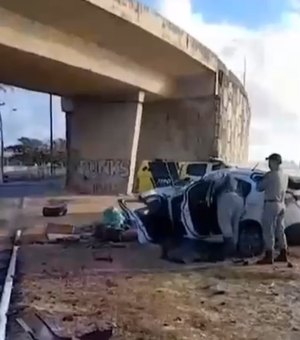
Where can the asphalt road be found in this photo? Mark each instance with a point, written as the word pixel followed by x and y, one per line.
pixel 31 188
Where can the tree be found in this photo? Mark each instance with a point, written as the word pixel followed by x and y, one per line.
pixel 31 143
pixel 32 151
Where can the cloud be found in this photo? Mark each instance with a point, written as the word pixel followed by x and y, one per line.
pixel 272 57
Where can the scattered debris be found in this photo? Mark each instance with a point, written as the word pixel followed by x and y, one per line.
pixel 103 258
pixel 26 328
pixel 105 334
pixel 38 329
pixel 110 283
pixel 129 235
pixel 55 209
pixel 218 289
pixel 115 219
pixel 118 245
pixel 68 318
pixel 105 234
pixel 56 232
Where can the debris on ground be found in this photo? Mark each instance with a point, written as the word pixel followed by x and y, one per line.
pixel 103 258
pixel 55 209
pixel 223 303
pixel 114 219
pixel 56 231
pixel 37 328
pixel 189 251
pixel 104 286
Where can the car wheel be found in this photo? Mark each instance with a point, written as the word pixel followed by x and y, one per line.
pixel 292 233
pixel 250 239
pixel 55 211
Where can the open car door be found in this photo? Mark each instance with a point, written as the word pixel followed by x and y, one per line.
pixel 163 173
pixel 199 214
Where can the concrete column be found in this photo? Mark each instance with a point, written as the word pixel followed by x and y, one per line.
pixel 135 141
pixel 180 130
pixel 103 141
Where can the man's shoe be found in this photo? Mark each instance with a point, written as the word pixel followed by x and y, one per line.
pixel 282 257
pixel 267 259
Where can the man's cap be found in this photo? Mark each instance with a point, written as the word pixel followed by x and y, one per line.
pixel 275 157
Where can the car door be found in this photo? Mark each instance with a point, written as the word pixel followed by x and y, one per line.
pixel 163 173
pixel 254 200
pixel 292 201
pixel 197 213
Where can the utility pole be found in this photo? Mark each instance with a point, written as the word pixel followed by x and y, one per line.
pixel 3 88
pixel 51 133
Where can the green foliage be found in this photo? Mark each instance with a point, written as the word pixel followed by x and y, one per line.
pixel 30 151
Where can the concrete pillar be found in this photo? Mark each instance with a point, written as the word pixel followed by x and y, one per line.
pixel 103 140
pixel 180 130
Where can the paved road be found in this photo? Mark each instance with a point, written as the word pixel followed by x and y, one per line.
pixel 31 188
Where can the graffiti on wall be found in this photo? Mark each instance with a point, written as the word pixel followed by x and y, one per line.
pixel 103 176
pixel 104 167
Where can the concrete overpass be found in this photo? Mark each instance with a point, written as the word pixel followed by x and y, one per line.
pixel 135 86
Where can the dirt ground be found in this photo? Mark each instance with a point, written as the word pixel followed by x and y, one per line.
pixel 143 297
pixel 76 287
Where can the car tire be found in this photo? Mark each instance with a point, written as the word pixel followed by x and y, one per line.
pixel 250 239
pixel 55 211
pixel 292 233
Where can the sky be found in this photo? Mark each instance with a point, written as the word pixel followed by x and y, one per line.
pixel 265 32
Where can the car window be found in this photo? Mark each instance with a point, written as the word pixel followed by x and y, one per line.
pixel 215 176
pixel 243 187
pixel 196 169
pixel 294 183
pixel 163 171
pixel 218 166
pixel 256 177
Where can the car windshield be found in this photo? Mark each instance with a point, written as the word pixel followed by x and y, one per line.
pixel 196 169
pixel 164 171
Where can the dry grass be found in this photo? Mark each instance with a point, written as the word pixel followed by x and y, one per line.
pixel 234 303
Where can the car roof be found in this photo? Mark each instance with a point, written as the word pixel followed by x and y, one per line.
pixel 247 172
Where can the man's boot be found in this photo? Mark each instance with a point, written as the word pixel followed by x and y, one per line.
pixel 267 259
pixel 282 257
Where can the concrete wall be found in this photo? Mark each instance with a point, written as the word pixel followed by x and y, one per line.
pixel 101 137
pixel 214 124
pixel 232 120
pixel 107 141
pixel 177 130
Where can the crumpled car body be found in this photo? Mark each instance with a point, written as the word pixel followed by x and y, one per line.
pixel 189 211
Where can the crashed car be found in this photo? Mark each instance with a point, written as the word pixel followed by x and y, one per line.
pixel 189 211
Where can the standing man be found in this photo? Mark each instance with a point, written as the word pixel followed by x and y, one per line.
pixel 230 207
pixel 274 184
